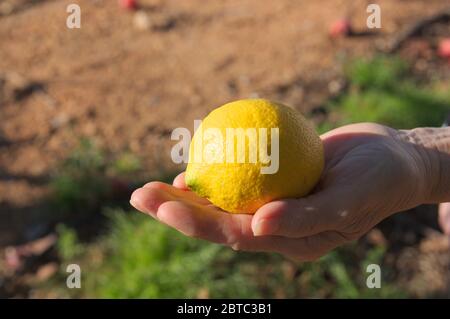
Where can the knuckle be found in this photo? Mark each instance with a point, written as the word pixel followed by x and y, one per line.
pixel 148 200
pixel 195 231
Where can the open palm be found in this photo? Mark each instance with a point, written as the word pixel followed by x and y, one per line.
pixel 369 174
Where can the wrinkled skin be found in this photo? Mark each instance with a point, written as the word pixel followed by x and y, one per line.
pixel 370 173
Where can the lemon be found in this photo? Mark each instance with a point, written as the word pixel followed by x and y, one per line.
pixel 250 152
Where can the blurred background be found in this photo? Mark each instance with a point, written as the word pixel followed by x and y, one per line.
pixel 86 117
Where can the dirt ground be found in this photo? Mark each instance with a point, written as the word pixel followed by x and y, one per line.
pixel 127 87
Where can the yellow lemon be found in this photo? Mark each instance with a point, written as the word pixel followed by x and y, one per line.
pixel 250 152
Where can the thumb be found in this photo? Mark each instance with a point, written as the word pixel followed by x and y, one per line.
pixel 300 217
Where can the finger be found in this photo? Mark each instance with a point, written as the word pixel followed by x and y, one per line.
pixel 179 181
pixel 209 223
pixel 298 217
pixel 235 230
pixel 177 192
pixel 205 222
pixel 148 200
pixel 444 217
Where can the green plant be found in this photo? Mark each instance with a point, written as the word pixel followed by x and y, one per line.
pixel 342 274
pixel 379 72
pixel 145 259
pixel 89 178
pixel 80 180
pixel 382 90
pixel 126 163
pixel 68 245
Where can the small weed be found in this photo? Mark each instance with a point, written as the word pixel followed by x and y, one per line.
pixel 89 178
pixel 68 245
pixel 126 163
pixel 79 183
pixel 382 91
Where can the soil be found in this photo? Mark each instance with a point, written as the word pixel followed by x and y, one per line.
pixel 127 82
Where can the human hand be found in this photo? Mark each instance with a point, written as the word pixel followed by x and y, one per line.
pixel 444 217
pixel 370 173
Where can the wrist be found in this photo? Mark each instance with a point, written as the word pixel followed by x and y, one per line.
pixel 429 149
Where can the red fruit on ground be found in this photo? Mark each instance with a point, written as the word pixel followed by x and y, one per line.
pixel 128 4
pixel 444 48
pixel 340 28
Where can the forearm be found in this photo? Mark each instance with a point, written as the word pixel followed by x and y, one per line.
pixel 432 151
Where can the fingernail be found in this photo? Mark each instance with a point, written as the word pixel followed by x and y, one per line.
pixel 135 203
pixel 265 227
